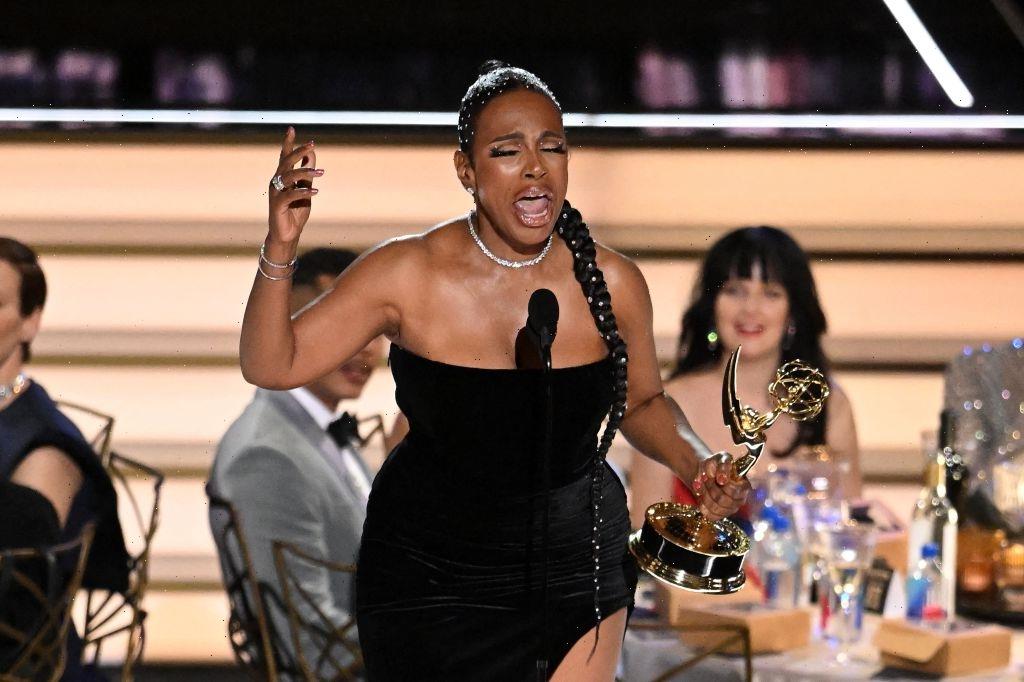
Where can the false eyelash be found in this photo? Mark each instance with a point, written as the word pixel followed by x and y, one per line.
pixel 495 153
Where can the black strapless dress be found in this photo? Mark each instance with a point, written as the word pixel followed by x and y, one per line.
pixel 449 572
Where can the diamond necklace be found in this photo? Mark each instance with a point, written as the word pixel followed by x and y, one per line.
pixel 501 261
pixel 7 390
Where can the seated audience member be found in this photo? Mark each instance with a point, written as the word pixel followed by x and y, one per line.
pixel 756 290
pixel 29 522
pixel 292 469
pixel 40 448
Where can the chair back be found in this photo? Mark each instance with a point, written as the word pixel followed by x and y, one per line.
pixel 97 427
pixel 256 644
pixel 106 616
pixel 36 594
pixel 720 638
pixel 325 650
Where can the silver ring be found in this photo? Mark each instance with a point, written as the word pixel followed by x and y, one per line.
pixel 278 183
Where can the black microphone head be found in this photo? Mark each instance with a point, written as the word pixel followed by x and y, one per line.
pixel 543 312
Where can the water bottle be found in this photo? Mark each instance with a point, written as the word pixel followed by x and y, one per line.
pixel 798 510
pixel 780 564
pixel 925 597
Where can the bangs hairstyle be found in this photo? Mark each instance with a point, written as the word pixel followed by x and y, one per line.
pixel 734 256
pixel 32 288
pixel 496 78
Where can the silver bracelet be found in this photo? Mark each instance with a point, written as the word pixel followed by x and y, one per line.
pixel 280 266
pixel 259 267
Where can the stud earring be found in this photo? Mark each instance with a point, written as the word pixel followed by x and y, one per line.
pixel 471 192
pixel 712 340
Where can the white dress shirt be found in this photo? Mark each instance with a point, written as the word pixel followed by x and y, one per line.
pixel 353 468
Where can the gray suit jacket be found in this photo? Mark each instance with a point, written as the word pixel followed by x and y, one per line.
pixel 288 480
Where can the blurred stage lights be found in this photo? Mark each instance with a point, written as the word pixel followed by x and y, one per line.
pixel 925 45
pixel 879 123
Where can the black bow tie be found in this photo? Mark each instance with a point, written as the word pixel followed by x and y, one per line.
pixel 344 430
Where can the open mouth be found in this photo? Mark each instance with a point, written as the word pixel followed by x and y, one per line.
pixel 359 374
pixel 534 208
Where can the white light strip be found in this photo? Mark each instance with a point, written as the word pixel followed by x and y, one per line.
pixel 872 122
pixel 869 122
pixel 925 45
pixel 225 116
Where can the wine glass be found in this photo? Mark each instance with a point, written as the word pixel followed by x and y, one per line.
pixel 846 549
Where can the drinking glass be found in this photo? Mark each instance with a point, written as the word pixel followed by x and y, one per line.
pixel 846 550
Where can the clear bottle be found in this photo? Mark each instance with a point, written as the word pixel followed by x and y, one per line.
pixel 925 598
pixel 934 519
pixel 780 564
pixel 798 510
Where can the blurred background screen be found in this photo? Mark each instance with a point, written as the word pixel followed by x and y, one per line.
pixel 704 61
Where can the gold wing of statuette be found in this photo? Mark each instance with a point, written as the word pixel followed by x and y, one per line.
pixel 742 421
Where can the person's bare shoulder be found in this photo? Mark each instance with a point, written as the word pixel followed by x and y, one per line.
pixel 838 400
pixel 407 258
pixel 683 386
pixel 622 274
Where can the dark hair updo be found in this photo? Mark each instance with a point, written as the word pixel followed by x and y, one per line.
pixel 496 78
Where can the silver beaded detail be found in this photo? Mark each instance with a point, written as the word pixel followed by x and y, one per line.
pixel 577 238
pixel 515 264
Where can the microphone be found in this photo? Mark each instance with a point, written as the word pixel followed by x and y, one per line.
pixel 542 319
pixel 541 327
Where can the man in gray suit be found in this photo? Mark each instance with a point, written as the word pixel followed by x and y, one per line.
pixel 293 472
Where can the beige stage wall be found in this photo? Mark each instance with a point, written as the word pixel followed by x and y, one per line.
pixel 150 249
pixel 212 195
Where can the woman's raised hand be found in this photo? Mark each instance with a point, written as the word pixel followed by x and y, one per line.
pixel 291 189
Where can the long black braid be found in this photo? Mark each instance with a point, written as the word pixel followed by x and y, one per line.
pixel 574 231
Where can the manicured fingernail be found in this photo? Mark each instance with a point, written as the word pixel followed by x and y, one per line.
pixel 697 483
pixel 318 172
pixel 721 479
pixel 314 191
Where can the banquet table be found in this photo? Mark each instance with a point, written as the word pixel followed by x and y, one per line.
pixel 648 654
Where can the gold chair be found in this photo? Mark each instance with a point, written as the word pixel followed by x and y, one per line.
pixel 377 426
pixel 97 427
pixel 338 656
pixel 111 614
pixel 37 579
pixel 731 636
pixel 254 641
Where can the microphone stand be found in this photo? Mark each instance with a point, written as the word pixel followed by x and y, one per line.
pixel 545 453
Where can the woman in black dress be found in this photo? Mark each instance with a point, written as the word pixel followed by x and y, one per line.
pixel 451 571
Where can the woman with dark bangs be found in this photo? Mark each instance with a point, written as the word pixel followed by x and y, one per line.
pixel 756 290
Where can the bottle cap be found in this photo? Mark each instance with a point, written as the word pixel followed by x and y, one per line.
pixel 929 550
pixel 780 523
